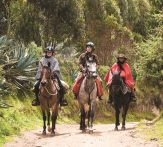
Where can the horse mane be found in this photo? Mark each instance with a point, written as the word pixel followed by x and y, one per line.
pixel 47 67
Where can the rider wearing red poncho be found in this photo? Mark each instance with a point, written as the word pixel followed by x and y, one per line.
pixel 126 74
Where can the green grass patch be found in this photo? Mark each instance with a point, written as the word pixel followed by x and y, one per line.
pixel 152 132
pixel 136 116
pixel 22 116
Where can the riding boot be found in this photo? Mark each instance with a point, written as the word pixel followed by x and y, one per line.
pixel 133 97
pixel 62 101
pixel 110 99
pixel 100 98
pixel 36 102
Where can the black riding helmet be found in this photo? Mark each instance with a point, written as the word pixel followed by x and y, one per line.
pixel 49 48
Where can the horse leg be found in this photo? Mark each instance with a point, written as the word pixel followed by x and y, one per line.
pixel 124 113
pixel 49 129
pixel 81 120
pixel 88 116
pixel 54 118
pixel 44 125
pixel 117 111
pixel 92 111
pixel 83 116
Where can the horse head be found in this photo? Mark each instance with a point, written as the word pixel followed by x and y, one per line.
pixel 117 82
pixel 45 74
pixel 91 69
pixel 116 79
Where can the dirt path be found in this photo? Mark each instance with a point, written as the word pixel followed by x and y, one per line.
pixel 71 136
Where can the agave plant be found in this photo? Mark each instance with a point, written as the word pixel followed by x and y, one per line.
pixel 16 62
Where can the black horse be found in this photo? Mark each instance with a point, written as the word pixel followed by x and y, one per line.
pixel 121 97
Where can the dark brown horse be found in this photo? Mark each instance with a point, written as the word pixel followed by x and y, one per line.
pixel 121 97
pixel 48 96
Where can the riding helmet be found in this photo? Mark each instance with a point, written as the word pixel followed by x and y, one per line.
pixel 50 48
pixel 90 44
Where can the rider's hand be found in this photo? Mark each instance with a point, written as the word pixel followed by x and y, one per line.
pixel 81 66
pixel 83 70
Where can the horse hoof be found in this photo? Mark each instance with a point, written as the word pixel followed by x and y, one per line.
pixel 123 128
pixel 116 129
pixel 52 133
pixel 49 129
pixel 90 131
pixel 44 133
pixel 84 131
pixel 80 128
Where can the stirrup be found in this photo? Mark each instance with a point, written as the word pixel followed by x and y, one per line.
pixel 100 98
pixel 133 100
pixel 63 103
pixel 33 89
pixel 35 102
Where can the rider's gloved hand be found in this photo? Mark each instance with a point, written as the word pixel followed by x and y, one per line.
pixel 84 70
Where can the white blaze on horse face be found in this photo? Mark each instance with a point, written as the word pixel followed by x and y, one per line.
pixel 91 66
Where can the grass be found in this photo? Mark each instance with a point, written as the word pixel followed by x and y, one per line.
pixel 152 132
pixel 22 116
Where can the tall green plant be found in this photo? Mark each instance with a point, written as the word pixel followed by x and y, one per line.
pixel 149 69
pixel 16 62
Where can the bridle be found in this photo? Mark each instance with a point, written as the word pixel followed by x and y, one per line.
pixel 45 87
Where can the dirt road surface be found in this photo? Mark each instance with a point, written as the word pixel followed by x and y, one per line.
pixel 70 136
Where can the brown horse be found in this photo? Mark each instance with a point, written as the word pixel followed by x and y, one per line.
pixel 48 96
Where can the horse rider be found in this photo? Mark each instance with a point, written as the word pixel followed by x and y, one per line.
pixel 54 65
pixel 88 55
pixel 126 75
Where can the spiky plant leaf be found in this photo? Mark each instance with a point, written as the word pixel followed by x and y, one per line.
pixel 17 64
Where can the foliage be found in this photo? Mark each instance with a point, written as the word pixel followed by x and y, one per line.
pixel 149 68
pixel 24 22
pixel 22 116
pixel 108 23
pixel 16 66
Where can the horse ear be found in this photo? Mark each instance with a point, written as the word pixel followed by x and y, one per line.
pixel 49 64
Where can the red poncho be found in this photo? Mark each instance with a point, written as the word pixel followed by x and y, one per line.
pixel 124 73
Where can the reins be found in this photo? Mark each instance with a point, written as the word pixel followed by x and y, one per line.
pixel 50 93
